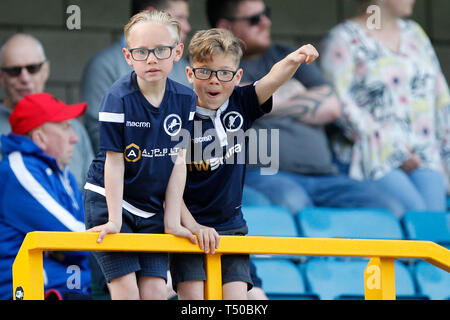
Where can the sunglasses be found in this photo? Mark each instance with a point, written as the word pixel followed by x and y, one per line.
pixel 254 19
pixel 16 71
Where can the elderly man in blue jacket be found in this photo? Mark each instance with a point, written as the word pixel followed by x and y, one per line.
pixel 39 193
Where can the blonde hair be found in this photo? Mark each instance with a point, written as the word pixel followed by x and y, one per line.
pixel 154 16
pixel 207 43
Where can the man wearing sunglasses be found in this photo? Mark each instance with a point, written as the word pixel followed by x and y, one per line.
pixel 24 69
pixel 301 109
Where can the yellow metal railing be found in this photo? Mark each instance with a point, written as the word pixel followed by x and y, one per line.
pixel 379 279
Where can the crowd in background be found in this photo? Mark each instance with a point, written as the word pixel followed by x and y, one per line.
pixel 368 125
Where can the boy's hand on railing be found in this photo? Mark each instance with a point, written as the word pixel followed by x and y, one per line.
pixel 208 238
pixel 104 229
pixel 181 231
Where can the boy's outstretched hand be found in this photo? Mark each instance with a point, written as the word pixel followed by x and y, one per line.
pixel 283 70
pixel 305 54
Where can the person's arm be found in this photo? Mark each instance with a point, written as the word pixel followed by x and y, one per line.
pixel 114 177
pixel 283 70
pixel 208 238
pixel 31 202
pixel 317 105
pixel 174 198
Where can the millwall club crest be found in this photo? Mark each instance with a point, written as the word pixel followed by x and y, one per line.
pixel 172 124
pixel 233 121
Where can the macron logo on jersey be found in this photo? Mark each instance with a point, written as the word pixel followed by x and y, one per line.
pixel 138 124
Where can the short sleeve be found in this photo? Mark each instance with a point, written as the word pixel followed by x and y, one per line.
pixel 188 122
pixel 111 123
pixel 248 100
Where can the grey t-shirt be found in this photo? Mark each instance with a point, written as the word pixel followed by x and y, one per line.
pixel 303 148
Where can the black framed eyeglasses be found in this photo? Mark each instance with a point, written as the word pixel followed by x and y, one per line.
pixel 17 70
pixel 161 53
pixel 254 19
pixel 221 75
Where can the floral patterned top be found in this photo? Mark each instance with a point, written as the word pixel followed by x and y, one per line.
pixel 392 102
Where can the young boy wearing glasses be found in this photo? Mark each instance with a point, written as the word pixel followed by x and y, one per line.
pixel 133 184
pixel 215 181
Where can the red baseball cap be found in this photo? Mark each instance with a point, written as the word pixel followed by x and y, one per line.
pixel 36 109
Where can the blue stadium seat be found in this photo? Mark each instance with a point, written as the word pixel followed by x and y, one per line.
pixel 341 279
pixel 432 226
pixel 349 223
pixel 270 221
pixel 432 281
pixel 252 197
pixel 281 280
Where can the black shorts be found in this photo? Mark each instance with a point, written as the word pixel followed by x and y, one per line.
pixel 117 264
pixel 191 266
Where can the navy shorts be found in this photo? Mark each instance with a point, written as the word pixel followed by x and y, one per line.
pixel 118 264
pixel 190 267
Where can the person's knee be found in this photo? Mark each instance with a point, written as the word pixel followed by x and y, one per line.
pixel 152 288
pixel 191 290
pixel 236 290
pixel 124 288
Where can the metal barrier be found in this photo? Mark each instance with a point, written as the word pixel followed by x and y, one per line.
pixel 379 278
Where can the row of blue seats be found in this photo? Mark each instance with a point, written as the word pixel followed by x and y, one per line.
pixel 425 279
pixel 338 279
pixel 360 223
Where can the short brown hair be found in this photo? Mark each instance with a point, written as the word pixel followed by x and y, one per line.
pixel 207 43
pixel 155 16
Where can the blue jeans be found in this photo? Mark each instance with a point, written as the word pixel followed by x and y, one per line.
pixel 295 191
pixel 420 190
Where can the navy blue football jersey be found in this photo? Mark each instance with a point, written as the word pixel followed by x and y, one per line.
pixel 149 138
pixel 215 175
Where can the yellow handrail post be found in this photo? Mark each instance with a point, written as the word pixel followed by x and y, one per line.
pixel 213 285
pixel 379 279
pixel 29 265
